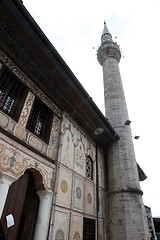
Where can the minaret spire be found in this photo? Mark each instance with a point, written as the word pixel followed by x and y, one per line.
pixel 108 47
pixel 126 214
pixel 105 30
pixel 106 36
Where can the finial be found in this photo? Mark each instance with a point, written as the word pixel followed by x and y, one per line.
pixel 105 30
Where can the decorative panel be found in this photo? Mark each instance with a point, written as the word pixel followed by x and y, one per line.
pixel 89 147
pixel 67 154
pixel 101 169
pixel 89 198
pixel 61 225
pixel 76 227
pixel 4 120
pixel 79 161
pixel 75 146
pixel 78 193
pixel 35 142
pixel 15 159
pixel 64 187
pixel 26 109
pixel 54 136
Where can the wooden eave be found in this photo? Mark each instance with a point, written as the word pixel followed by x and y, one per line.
pixel 26 44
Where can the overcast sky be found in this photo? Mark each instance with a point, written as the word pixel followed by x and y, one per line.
pixel 75 27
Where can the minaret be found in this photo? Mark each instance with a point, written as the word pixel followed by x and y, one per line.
pixel 126 214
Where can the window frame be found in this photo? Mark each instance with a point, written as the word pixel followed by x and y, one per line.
pixel 11 103
pixel 89 172
pixel 89 228
pixel 40 125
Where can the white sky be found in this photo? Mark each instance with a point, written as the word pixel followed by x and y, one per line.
pixel 75 27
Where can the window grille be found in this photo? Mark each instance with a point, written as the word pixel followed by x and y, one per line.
pixel 40 120
pixel 12 94
pixel 88 229
pixel 89 168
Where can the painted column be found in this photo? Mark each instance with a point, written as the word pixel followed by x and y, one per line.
pixel 44 212
pixel 126 219
pixel 5 182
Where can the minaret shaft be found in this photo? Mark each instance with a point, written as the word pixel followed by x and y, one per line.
pixel 123 172
pixel 115 104
pixel 126 215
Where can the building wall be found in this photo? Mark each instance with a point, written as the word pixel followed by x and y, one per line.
pixel 17 154
pixel 74 194
pixel 21 150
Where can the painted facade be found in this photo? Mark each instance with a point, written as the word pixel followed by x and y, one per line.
pixel 74 193
pixel 70 146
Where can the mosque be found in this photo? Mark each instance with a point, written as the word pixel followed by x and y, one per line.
pixel 66 170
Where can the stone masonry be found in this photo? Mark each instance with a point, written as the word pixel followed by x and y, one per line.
pixel 126 217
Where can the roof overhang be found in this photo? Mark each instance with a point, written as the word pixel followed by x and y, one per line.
pixel 25 43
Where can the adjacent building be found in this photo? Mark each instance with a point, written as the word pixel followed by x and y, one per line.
pixel 153 225
pixel 66 170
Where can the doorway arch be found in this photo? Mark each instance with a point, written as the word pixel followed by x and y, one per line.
pixel 22 202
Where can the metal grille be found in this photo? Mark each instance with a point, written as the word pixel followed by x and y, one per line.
pixel 39 119
pixel 88 229
pixel 89 167
pixel 9 91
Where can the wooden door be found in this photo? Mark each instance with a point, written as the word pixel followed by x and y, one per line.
pixel 29 213
pixel 22 203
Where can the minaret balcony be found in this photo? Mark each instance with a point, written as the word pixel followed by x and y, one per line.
pixel 108 49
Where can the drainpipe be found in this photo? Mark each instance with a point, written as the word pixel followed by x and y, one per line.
pixel 97 195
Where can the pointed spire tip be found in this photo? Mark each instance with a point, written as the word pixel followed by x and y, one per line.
pixel 105 30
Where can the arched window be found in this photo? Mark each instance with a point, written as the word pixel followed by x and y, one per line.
pixel 89 168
